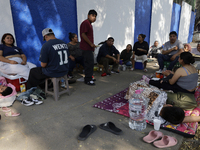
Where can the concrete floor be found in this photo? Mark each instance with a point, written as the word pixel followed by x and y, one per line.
pixel 56 125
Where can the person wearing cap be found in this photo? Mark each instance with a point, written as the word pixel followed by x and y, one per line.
pixel 171 51
pixel 109 55
pixel 87 45
pixel 54 60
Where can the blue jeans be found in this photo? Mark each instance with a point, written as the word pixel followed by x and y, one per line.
pixel 162 58
pixel 72 64
pixel 129 63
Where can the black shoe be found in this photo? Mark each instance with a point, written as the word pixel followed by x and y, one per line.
pixel 108 74
pixel 115 72
pixel 90 83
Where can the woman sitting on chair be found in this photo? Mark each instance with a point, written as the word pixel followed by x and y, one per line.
pixel 12 58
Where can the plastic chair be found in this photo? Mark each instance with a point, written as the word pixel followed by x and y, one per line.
pixel 56 87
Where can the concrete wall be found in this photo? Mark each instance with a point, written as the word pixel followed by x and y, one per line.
pixel 161 20
pixel 6 20
pixel 185 22
pixel 123 20
pixel 31 17
pixel 115 18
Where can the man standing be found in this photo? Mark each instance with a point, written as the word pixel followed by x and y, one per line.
pixel 87 45
pixel 171 51
pixel 53 57
pixel 109 55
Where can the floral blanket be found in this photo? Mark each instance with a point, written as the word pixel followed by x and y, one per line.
pixel 119 105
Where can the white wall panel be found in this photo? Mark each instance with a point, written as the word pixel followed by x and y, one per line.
pixel 184 25
pixel 6 21
pixel 160 21
pixel 115 18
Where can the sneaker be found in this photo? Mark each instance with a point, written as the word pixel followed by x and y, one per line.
pixel 36 101
pixel 90 83
pixel 108 74
pixel 112 71
pixel 27 102
pixel 103 74
pixel 131 69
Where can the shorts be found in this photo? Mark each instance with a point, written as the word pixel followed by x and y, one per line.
pixel 142 57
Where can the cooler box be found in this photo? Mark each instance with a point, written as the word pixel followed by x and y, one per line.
pixel 15 80
pixel 139 64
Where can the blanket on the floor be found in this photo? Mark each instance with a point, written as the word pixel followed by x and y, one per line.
pixel 119 105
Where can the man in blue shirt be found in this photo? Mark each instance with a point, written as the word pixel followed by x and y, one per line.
pixel 53 57
pixel 109 55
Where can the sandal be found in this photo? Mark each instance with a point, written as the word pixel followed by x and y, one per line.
pixel 12 114
pixel 5 109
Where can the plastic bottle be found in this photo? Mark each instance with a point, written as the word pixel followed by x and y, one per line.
pixel 165 68
pixel 137 107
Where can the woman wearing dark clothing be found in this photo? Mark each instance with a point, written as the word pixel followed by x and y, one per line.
pixel 126 55
pixel 140 51
pixel 75 52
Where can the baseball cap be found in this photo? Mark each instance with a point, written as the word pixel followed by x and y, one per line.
pixel 46 31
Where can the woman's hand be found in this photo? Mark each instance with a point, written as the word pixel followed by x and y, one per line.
pixel 166 72
pixel 23 62
pixel 13 62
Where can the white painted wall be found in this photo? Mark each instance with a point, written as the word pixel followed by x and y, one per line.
pixel 160 21
pixel 184 25
pixel 6 21
pixel 115 18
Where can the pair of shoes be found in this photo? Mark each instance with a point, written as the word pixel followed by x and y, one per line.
pixel 166 141
pixel 131 69
pixel 40 94
pixel 112 71
pixel 30 101
pixel 145 70
pixel 5 109
pixel 90 83
pixel 12 114
pixel 89 129
pixel 34 99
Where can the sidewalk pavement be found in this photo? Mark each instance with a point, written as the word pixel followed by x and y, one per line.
pixel 56 125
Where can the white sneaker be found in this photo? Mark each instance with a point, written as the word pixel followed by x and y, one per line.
pixel 131 69
pixel 36 101
pixel 27 102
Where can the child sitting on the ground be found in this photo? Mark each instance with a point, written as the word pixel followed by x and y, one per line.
pixel 7 97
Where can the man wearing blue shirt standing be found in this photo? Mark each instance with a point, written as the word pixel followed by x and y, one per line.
pixel 53 57
pixel 109 55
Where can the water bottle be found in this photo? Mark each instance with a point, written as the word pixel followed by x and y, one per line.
pixel 137 107
pixel 165 68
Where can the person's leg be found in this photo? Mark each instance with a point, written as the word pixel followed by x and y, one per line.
pixel 89 65
pixel 129 63
pixel 80 60
pixel 36 77
pixel 161 58
pixel 115 65
pixel 72 65
pixel 105 62
pixel 133 62
pixel 144 60
pixel 173 63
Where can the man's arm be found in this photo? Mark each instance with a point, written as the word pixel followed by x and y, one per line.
pixel 165 52
pixel 177 54
pixel 84 36
pixel 43 65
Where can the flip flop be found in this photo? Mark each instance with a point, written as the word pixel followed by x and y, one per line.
pixel 110 127
pixel 12 114
pixel 86 131
pixel 152 136
pixel 5 109
pixel 166 141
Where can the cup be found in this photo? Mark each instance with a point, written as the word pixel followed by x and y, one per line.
pixel 156 123
pixel 157 74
